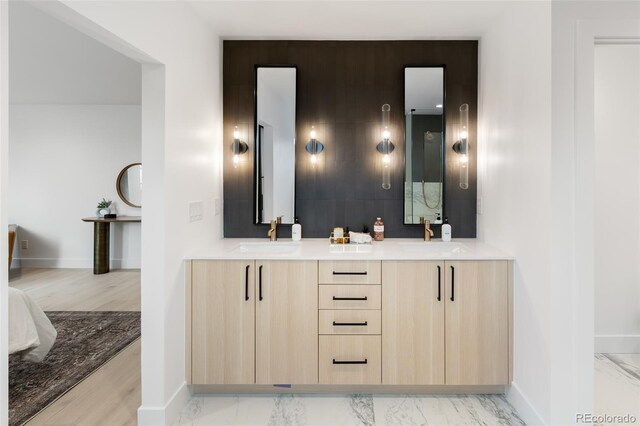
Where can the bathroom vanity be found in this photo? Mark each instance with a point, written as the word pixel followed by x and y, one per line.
pixel 397 316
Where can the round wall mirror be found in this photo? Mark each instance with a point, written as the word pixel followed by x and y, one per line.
pixel 129 185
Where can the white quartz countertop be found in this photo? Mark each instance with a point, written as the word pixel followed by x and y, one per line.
pixel 320 249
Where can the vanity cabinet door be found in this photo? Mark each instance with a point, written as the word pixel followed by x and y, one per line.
pixel 413 323
pixel 287 322
pixel 222 322
pixel 477 321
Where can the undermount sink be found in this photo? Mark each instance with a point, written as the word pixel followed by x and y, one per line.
pixel 266 247
pixel 434 247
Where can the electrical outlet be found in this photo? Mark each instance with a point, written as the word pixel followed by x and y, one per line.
pixel 217 206
pixel 479 205
pixel 24 244
pixel 195 211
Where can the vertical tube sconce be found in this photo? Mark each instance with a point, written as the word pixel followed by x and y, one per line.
pixel 313 147
pixel 238 147
pixel 386 147
pixel 461 146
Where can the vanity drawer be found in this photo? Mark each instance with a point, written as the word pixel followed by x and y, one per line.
pixel 350 360
pixel 350 272
pixel 350 321
pixel 350 297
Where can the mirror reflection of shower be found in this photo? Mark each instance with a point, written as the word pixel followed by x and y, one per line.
pixel 433 138
pixel 424 142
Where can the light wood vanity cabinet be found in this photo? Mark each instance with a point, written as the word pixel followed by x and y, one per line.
pixel 477 322
pixel 222 322
pixel 349 322
pixel 286 322
pixel 413 323
pixel 253 322
pixel 445 322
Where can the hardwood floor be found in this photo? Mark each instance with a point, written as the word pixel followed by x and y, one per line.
pixel 111 395
pixel 80 290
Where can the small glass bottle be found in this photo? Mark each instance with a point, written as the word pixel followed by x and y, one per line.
pixel 378 230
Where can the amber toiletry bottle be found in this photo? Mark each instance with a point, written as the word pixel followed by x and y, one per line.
pixel 378 230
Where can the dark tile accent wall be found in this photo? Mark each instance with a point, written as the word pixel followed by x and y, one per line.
pixel 342 86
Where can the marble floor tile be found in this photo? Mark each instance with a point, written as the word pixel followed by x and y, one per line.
pixel 357 410
pixel 617 384
pixel 490 410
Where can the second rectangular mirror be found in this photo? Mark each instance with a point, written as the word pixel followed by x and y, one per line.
pixel 424 102
pixel 275 136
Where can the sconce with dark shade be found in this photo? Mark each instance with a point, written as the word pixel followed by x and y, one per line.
pixel 314 147
pixel 386 147
pixel 238 147
pixel 461 146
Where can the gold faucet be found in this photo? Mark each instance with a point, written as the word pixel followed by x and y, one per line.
pixel 428 233
pixel 273 231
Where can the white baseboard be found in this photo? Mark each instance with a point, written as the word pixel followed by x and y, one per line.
pixel 523 406
pixel 76 263
pixel 617 344
pixel 157 416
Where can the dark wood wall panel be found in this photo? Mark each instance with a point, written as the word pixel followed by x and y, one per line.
pixel 342 86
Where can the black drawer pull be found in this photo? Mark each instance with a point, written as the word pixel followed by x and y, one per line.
pixel 349 273
pixel 439 284
pixel 453 283
pixel 362 324
pixel 349 298
pixel 260 283
pixel 246 283
pixel 350 362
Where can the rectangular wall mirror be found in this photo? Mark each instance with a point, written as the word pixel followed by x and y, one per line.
pixel 275 136
pixel 424 106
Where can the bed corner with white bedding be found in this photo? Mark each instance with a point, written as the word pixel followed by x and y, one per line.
pixel 30 331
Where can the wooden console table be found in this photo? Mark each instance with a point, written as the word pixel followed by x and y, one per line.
pixel 101 238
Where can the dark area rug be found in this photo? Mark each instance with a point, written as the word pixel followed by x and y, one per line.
pixel 86 340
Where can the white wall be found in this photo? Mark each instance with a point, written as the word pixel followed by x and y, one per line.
pixel 617 195
pixel 75 123
pixel 63 159
pixel 53 63
pixel 572 197
pixel 182 154
pixel 514 178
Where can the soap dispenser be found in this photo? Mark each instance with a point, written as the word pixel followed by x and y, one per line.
pixel 296 230
pixel 446 230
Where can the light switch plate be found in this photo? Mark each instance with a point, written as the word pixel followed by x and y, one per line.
pixel 479 205
pixel 217 206
pixel 195 211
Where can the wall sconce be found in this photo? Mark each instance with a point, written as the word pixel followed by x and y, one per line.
pixel 313 147
pixel 385 147
pixel 238 147
pixel 461 146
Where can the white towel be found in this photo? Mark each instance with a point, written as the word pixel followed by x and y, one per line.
pixel 359 238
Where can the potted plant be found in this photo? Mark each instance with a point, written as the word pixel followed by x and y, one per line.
pixel 104 207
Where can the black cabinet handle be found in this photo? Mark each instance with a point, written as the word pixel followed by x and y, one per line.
pixel 246 283
pixel 349 273
pixel 439 284
pixel 350 362
pixel 349 298
pixel 453 283
pixel 260 283
pixel 363 324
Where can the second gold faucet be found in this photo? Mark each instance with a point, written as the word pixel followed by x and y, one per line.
pixel 273 230
pixel 428 233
